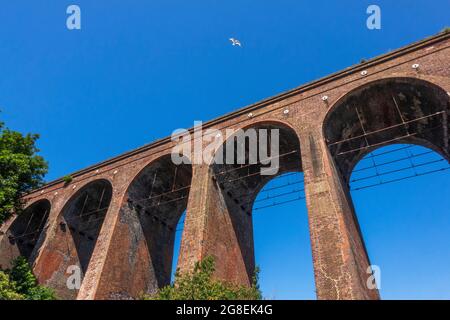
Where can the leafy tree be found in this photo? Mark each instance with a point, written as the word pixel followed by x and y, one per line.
pixel 8 290
pixel 19 283
pixel 21 169
pixel 200 285
pixel 22 275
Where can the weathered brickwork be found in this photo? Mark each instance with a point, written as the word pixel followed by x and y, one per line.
pixel 123 242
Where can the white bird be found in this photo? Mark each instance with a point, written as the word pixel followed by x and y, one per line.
pixel 235 42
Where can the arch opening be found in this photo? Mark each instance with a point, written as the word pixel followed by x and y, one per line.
pixel 245 191
pixel 22 236
pixel 397 191
pixel 282 242
pixel 177 245
pixel 83 217
pixel 386 133
pixel 71 242
pixel 155 202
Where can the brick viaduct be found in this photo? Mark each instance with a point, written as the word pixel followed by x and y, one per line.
pixel 116 220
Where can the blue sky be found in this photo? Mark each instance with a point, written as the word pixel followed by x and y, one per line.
pixel 139 69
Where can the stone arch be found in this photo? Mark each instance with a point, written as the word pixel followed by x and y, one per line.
pixel 151 209
pixel 74 236
pixel 21 237
pixel 83 216
pixel 386 111
pixel 397 110
pixel 239 182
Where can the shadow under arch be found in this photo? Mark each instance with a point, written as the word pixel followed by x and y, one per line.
pixel 23 234
pixel 383 112
pixel 83 217
pixel 74 236
pixel 153 205
pixel 237 171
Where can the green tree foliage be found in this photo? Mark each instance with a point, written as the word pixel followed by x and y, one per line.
pixel 8 290
pixel 19 283
pixel 21 169
pixel 200 285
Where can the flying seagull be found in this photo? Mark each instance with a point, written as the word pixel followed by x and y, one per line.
pixel 235 42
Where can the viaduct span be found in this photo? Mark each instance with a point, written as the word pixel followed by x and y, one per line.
pixel 116 220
